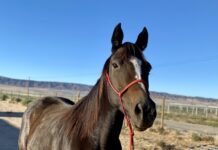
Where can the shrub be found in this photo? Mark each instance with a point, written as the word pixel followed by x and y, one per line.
pixel 4 97
pixel 18 99
pixel 162 144
pixel 196 137
pixel 15 100
pixel 152 130
pixel 26 101
pixel 178 132
pixel 161 130
pixel 165 146
pixel 208 139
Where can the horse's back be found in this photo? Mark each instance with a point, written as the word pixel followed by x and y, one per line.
pixel 35 113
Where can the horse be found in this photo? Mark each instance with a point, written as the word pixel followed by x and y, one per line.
pixel 95 122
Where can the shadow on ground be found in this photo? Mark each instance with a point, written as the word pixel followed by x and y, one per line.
pixel 11 114
pixel 8 135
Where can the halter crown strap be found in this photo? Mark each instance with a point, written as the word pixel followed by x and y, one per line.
pixel 120 94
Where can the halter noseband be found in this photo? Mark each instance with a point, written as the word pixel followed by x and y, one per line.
pixel 120 94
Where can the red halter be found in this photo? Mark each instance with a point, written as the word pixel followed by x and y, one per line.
pixel 120 94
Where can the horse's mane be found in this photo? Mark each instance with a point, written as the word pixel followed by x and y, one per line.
pixel 84 116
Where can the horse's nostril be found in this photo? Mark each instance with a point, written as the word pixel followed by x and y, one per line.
pixel 138 109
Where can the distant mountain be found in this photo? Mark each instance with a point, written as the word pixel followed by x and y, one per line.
pixel 44 84
pixel 158 96
pixel 179 98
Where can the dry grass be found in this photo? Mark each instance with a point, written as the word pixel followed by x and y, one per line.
pixel 200 137
pixel 156 138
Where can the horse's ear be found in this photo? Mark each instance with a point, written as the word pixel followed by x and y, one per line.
pixel 142 40
pixel 117 38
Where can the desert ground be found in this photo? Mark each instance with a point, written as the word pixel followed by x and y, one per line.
pixel 176 135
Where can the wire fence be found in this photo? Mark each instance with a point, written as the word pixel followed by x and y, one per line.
pixel 13 95
pixel 181 109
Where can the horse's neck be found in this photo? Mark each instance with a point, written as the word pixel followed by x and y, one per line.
pixel 109 130
pixel 109 123
pixel 98 119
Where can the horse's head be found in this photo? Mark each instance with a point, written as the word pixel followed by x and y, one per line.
pixel 127 64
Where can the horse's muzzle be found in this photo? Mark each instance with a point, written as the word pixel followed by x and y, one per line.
pixel 145 114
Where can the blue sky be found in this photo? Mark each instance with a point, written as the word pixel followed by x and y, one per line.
pixel 70 41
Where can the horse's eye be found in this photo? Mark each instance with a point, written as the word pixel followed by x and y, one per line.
pixel 114 65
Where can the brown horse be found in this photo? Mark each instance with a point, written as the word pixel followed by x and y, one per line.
pixel 95 122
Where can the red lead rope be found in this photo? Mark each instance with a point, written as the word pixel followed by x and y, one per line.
pixel 120 94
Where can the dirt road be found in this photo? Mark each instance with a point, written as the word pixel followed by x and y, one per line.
pixel 182 126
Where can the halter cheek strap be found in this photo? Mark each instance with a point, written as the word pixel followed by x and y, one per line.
pixel 120 94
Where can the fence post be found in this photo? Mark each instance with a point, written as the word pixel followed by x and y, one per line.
pixel 168 109
pixel 206 112
pixel 1 94
pixel 193 108
pixel 196 111
pixel 162 115
pixel 78 96
pixel 11 95
pixel 28 88
pixel 18 94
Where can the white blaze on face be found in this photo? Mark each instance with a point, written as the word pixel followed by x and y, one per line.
pixel 138 69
